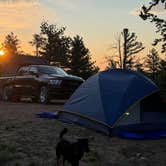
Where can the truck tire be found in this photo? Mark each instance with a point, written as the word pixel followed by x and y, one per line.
pixel 7 93
pixel 43 95
pixel 35 99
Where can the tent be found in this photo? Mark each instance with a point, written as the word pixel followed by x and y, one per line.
pixel 115 100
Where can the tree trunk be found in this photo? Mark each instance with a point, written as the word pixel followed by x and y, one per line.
pixel 125 31
pixel 120 55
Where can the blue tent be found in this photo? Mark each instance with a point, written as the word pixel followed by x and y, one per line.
pixel 111 100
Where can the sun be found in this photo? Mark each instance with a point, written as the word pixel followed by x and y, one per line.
pixel 2 53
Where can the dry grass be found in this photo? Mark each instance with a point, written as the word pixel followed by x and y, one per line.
pixel 26 140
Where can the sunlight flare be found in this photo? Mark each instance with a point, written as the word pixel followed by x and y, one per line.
pixel 2 53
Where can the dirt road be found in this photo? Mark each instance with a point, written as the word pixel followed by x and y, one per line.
pixel 26 140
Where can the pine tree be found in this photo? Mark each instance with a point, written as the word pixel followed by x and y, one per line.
pixel 80 60
pixel 153 63
pixel 37 41
pixel 11 44
pixel 125 57
pixel 56 46
pixel 112 62
pixel 131 47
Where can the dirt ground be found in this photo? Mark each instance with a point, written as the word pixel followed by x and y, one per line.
pixel 26 140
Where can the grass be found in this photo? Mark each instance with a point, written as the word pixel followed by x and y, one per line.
pixel 7 152
pixel 94 158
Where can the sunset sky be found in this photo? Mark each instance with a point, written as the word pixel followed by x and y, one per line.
pixel 97 21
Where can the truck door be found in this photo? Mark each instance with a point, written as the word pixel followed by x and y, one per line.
pixel 33 80
pixel 21 84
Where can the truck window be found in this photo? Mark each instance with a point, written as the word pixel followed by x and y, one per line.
pixel 23 71
pixel 33 70
pixel 51 70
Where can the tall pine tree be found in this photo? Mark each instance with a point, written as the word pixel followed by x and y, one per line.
pixel 37 41
pixel 56 44
pixel 125 57
pixel 80 63
pixel 11 44
pixel 153 63
pixel 130 47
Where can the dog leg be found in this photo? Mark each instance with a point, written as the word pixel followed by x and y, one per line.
pixel 57 162
pixel 63 162
pixel 58 157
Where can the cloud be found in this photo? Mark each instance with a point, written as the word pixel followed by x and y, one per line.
pixel 16 16
pixel 68 5
pixel 16 1
pixel 159 9
pixel 71 5
pixel 22 15
pixel 136 12
pixel 23 18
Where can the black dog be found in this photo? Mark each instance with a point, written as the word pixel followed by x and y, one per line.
pixel 72 152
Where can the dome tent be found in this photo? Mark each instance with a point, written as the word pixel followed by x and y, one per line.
pixel 110 100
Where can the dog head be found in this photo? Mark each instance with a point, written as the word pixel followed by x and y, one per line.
pixel 84 144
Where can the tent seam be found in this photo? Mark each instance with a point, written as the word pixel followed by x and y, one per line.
pixel 105 117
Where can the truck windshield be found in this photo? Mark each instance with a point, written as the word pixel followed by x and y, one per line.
pixel 51 70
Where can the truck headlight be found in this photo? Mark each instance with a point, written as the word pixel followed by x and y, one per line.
pixel 55 82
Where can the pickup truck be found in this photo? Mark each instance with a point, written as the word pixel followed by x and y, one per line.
pixel 40 83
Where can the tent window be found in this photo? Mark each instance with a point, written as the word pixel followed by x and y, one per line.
pixel 153 103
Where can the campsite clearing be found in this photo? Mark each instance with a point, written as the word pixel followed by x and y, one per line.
pixel 27 140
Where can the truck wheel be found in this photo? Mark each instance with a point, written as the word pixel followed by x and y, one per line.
pixel 6 96
pixel 35 100
pixel 43 96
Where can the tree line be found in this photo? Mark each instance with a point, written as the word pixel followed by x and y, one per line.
pixel 57 48
pixel 126 57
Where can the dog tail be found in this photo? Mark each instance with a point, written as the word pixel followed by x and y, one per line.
pixel 62 133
